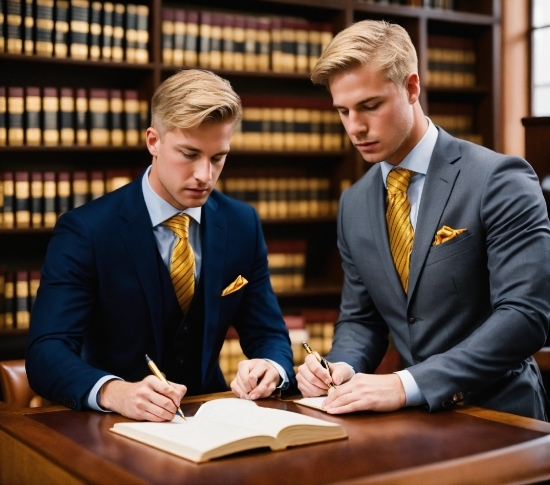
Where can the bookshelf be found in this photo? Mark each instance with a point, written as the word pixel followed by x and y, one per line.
pixel 136 53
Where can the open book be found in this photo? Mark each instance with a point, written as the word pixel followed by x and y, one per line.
pixel 312 402
pixel 224 426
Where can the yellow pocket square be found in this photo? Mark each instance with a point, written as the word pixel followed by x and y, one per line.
pixel 446 234
pixel 235 286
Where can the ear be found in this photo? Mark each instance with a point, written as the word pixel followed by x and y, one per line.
pixel 412 86
pixel 152 139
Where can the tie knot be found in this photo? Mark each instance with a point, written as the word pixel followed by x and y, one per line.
pixel 398 180
pixel 179 224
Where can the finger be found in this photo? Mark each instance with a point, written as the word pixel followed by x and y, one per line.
pixel 340 374
pixel 243 373
pixel 318 376
pixel 267 385
pixel 238 388
pixel 309 389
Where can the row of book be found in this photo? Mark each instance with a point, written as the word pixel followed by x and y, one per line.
pixel 286 261
pixel 315 326
pixel 51 116
pixel 216 40
pixel 440 4
pixel 36 199
pixel 78 29
pixel 17 296
pixel 284 197
pixel 451 61
pixel 457 119
pixel 289 123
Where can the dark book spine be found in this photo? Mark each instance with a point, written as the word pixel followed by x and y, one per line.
pixel 144 120
pixel 79 28
pixel 9 300
pixel 28 28
pixel 116 179
pixel 250 44
pixel 288 45
pixel 22 313
pixel 2 296
pixel 16 108
pixel 61 34
pixel 117 50
pixel 9 201
pixel 36 201
pixel 238 42
pixel 33 113
pixel 191 38
pixel 50 113
pixel 142 34
pixel 63 192
pixel 50 193
pixel 2 43
pixel 107 29
pixel 67 117
pixel 276 45
pixel 81 189
pixel 168 40
pixel 180 32
pixel 205 37
pixel 14 26
pixel 131 32
pixel 116 110
pixel 97 184
pixel 99 117
pixel 216 41
pixel 3 109
pixel 228 41
pixel 22 200
pixel 81 117
pixel 131 117
pixel 301 33
pixel 314 44
pixel 95 31
pixel 34 283
pixel 264 44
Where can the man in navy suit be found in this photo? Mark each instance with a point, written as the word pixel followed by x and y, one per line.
pixel 107 299
pixel 467 303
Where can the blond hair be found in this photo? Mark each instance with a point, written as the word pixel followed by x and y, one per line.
pixel 191 97
pixel 374 44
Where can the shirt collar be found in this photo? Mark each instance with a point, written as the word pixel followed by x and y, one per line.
pixel 160 210
pixel 418 159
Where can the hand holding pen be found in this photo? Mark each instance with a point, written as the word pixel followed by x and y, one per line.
pixel 324 362
pixel 155 370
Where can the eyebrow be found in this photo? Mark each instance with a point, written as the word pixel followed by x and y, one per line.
pixel 196 150
pixel 363 101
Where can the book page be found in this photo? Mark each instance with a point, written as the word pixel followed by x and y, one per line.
pixel 248 414
pixel 312 402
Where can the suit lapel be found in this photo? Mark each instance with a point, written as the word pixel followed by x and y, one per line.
pixel 214 246
pixel 376 210
pixel 138 236
pixel 437 189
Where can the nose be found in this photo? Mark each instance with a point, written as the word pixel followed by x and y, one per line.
pixel 355 126
pixel 203 170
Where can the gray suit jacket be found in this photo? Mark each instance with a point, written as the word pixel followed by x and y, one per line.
pixel 478 305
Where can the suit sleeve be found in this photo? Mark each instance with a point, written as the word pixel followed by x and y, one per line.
pixel 61 316
pixel 360 335
pixel 259 321
pixel 517 238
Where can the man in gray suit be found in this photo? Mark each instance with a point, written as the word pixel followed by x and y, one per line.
pixel 465 291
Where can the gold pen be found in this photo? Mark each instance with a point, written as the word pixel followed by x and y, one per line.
pixel 322 361
pixel 155 370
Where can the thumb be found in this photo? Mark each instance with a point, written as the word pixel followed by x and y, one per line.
pixel 340 374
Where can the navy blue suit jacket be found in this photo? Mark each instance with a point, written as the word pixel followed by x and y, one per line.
pixel 98 308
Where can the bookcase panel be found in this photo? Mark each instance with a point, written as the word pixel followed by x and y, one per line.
pixel 269 83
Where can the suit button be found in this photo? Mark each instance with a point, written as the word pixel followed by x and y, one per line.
pixel 412 320
pixel 443 404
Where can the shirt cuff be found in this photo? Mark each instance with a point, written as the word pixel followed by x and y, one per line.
pixel 93 397
pixel 284 378
pixel 413 394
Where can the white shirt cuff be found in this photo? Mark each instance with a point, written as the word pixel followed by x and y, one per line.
pixel 93 401
pixel 413 394
pixel 282 373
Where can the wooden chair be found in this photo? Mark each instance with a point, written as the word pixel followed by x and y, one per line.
pixel 15 385
pixel 542 358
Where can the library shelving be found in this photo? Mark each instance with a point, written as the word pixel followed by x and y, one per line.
pixel 114 54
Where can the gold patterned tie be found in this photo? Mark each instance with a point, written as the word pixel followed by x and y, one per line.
pixel 400 230
pixel 182 267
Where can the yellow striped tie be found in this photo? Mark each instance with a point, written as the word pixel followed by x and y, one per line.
pixel 182 267
pixel 400 230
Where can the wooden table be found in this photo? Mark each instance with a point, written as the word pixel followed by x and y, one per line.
pixel 411 446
